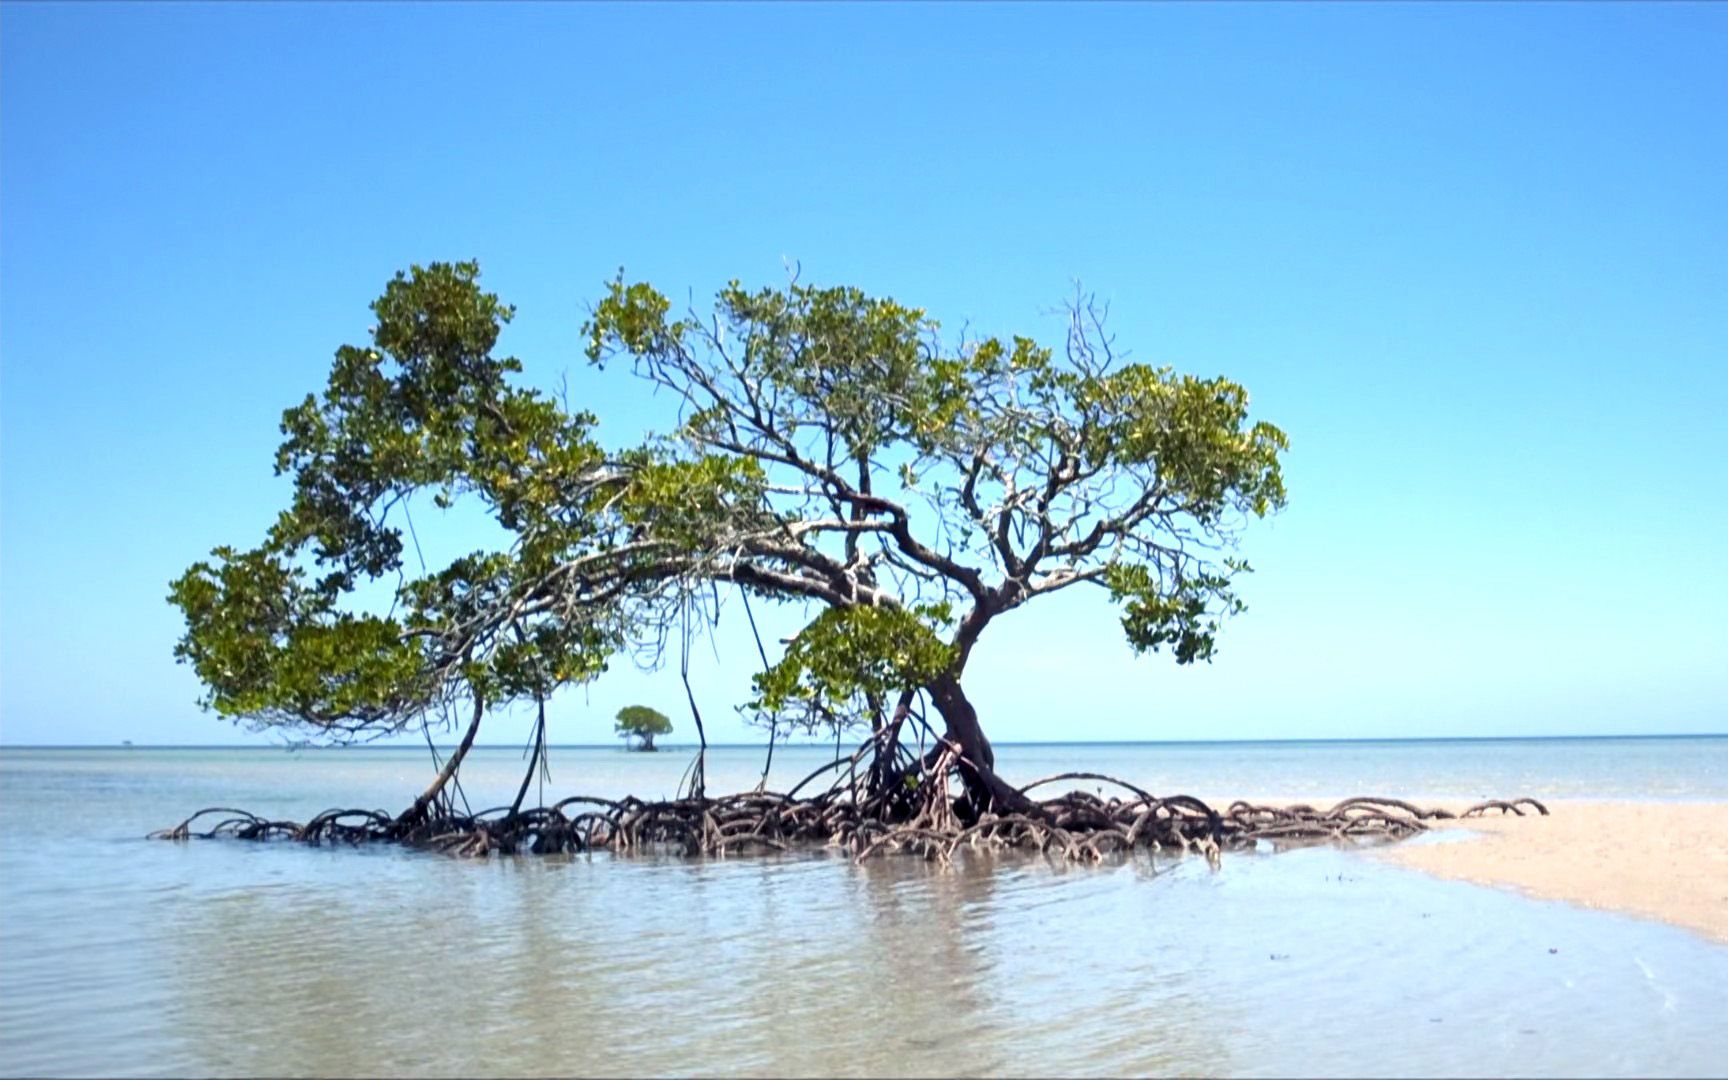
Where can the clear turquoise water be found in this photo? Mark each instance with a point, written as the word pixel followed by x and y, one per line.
pixel 121 956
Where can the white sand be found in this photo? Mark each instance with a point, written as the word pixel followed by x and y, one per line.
pixel 1666 861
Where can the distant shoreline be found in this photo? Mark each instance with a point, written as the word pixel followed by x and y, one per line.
pixel 818 743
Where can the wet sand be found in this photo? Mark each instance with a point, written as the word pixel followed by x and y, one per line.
pixel 1665 861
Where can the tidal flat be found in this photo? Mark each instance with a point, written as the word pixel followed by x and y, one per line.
pixel 127 957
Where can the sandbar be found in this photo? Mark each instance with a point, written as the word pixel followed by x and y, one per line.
pixel 1657 860
pixel 1666 861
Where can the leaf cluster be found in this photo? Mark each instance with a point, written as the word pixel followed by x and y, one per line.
pixel 848 661
pixel 274 632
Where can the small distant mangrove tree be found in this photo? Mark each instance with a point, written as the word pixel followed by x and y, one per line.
pixel 641 723
pixel 831 451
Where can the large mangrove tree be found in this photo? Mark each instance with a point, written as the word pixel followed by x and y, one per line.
pixel 831 450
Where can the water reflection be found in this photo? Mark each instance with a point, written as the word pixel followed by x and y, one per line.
pixel 926 955
pixel 802 965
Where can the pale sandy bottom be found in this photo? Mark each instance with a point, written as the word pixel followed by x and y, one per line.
pixel 1665 861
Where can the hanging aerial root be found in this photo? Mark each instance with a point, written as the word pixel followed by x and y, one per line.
pixel 918 813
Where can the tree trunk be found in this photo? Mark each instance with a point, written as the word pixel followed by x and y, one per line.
pixel 534 761
pixel 985 790
pixel 415 812
pixel 962 720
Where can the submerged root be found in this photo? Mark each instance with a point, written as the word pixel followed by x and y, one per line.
pixel 917 814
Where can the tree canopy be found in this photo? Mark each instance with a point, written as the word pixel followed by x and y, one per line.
pixel 831 450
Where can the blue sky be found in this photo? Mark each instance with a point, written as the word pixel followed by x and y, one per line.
pixel 1471 257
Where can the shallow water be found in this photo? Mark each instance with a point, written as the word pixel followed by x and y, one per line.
pixel 120 956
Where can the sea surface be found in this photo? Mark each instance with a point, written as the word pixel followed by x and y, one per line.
pixel 121 956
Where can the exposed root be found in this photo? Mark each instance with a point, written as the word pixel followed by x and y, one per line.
pixel 1481 809
pixel 918 814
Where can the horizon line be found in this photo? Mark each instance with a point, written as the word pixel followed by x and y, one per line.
pixel 126 744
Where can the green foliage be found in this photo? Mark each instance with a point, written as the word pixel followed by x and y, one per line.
pixel 689 503
pixel 1048 470
pixel 849 660
pixel 830 450
pixel 267 646
pixel 1183 614
pixel 430 407
pixel 275 633
pixel 859 367
pixel 1193 430
pixel 640 720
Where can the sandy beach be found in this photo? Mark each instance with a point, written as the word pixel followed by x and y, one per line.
pixel 1666 861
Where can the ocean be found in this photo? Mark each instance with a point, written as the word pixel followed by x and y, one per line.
pixel 121 956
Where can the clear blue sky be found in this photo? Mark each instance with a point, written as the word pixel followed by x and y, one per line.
pixel 1473 258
